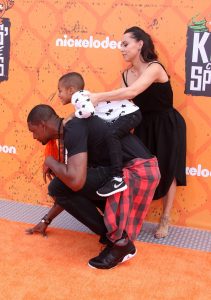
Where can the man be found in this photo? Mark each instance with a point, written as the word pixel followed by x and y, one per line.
pixel 74 184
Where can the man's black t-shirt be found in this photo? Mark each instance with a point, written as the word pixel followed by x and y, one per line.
pixel 87 135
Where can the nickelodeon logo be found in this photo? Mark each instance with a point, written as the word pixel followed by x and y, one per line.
pixel 91 42
pixel 7 149
pixel 198 171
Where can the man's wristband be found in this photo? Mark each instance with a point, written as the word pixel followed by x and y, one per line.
pixel 46 220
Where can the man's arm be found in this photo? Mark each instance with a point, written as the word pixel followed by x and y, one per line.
pixel 73 174
pixel 46 220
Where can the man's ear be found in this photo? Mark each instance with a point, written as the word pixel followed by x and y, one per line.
pixel 43 124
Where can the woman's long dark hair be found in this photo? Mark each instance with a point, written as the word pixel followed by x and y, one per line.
pixel 148 50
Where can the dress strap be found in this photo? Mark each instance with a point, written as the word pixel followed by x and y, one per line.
pixel 124 77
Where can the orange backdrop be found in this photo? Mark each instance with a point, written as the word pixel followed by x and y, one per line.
pixel 37 59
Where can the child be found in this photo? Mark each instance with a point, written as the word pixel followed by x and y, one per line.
pixel 121 116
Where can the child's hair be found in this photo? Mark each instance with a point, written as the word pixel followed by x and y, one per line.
pixel 72 79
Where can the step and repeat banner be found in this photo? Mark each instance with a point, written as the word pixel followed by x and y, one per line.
pixel 43 39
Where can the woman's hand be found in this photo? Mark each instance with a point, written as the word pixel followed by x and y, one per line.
pixel 93 98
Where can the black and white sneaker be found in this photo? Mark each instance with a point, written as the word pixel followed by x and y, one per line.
pixel 113 255
pixel 115 185
pixel 104 240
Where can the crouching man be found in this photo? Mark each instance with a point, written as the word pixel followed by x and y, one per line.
pixel 87 168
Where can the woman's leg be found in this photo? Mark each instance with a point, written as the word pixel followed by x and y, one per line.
pixel 162 230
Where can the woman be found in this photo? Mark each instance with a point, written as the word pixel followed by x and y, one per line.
pixel 162 129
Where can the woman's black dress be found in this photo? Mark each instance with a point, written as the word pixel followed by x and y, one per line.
pixel 163 131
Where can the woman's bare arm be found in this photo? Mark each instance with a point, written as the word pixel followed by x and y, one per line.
pixel 154 73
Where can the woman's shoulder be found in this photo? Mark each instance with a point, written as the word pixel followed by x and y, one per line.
pixel 157 64
pixel 159 68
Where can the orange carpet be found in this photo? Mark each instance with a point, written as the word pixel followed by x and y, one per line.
pixel 36 268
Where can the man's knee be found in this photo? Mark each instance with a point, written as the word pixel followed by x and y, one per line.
pixel 56 188
pixel 55 191
pixel 62 201
pixel 52 190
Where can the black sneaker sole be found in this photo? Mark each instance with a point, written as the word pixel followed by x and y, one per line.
pixel 121 189
pixel 125 258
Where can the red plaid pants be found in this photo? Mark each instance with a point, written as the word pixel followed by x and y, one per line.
pixel 125 211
